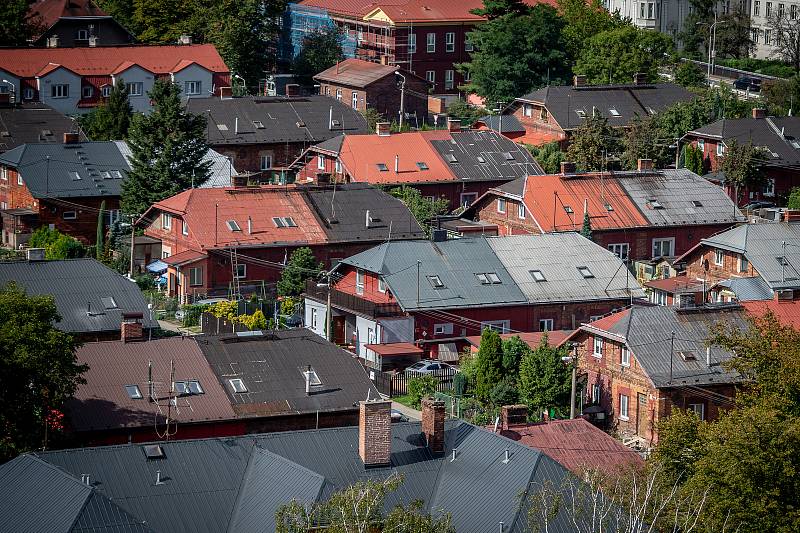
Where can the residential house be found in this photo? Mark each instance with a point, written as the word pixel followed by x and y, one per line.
pixel 639 215
pixel 748 262
pixel 237 484
pixel 265 135
pixel 91 299
pixel 665 16
pixel 217 238
pixel 224 385
pixel 763 31
pixel 643 361
pixel 33 123
pixel 680 291
pixel 451 164
pixel 436 294
pixel 72 23
pixel 779 141
pixel 75 80
pixel 381 87
pixel 553 113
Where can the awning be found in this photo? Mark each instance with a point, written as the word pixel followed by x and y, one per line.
pixel 157 266
pixel 394 349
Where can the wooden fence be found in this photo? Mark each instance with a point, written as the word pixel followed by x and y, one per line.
pixel 396 384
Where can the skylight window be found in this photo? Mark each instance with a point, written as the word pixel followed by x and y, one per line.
pixel 180 387
pixel 537 276
pixel 655 204
pixel 488 278
pixel 609 207
pixel 185 388
pixel 222 127
pixel 568 209
pixel 481 159
pixel 289 221
pixel 796 145
pixel 581 113
pixel 585 272
pixel 133 392
pixel 436 282
pixel 382 167
pixel 258 124
pixel 109 302
pixel 494 278
pixel 614 112
pixel 105 175
pixel 237 385
pixel 688 356
pixel 422 165
pixel 508 156
pixel 313 378
pixel 233 225
pixel 483 279
pixel 451 158
pixel 284 222
pixel 74 175
pixel 278 221
pixel 153 451
pixel 116 174
pixel 782 261
pixel 697 203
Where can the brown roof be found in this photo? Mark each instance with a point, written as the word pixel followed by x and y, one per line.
pixel 395 348
pixel 788 312
pixel 576 444
pixel 675 285
pixel 103 403
pixel 356 72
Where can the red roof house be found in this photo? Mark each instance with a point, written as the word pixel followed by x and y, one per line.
pixel 73 23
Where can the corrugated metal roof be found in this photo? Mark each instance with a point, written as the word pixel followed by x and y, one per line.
pixel 748 289
pixel 356 72
pixel 77 285
pixel 558 257
pixel 486 155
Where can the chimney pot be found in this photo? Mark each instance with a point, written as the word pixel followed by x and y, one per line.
pixel 433 424
pixel 645 164
pixel 375 432
pixel 512 415
pixel 568 167
pixel 71 137
pixel 579 80
pixel 759 112
pixel 383 129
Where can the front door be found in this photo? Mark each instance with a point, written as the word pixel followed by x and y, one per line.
pixel 338 329
pixel 641 414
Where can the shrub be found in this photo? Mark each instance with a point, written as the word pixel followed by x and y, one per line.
pixel 504 393
pixel 459 384
pixel 419 387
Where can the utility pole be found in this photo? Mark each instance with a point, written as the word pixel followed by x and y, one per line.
pixel 402 98
pixel 133 237
pixel 328 311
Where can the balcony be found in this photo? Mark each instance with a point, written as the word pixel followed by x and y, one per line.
pixel 352 303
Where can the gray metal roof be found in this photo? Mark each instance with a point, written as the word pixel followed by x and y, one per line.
pixel 685 198
pixel 763 246
pixel 455 262
pixel 508 123
pixel 748 289
pixel 558 256
pixel 647 330
pixel 77 285
pixel 235 484
pixel 87 169
pixel 780 135
pixel 32 122
pixel 271 366
pixel 629 101
pixel 502 157
pixel 276 120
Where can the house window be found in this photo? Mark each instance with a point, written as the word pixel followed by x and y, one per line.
pixel 83 35
pixel 793 12
pixel 768 34
pixel 468 44
pixel 744 264
pixel 359 281
pixel 59 90
pixel 757 8
pixel 381 285
pixel 431 43
pixel 449 42
pixel 337 165
pixel 620 250
pixel 87 91
pixel 196 276
pixel 19 178
pixel 412 43
pixel 135 88
pixel 430 75
pixel 597 347
pixel 266 161
pixel 69 215
pixel 546 324
pixel 625 357
pixel 192 88
pixel 443 329
pixel 105 90
pixel 338 94
pixel 769 9
pixel 623 407
pixel 449 79
pixel 720 149
pixel 354 100
pixel 664 247
pixel 313 318
pixel 467 198
pixel 185 228
pixel 596 393
pixel 320 162
pixel 701 145
pixel 699 408
pixel 165 253
pixel 501 205
pixel 719 257
pixel 537 276
pixel 241 271
pixel 521 211
pixel 501 326
pixel 166 221
pixel 769 187
pixel 658 297
pixel 27 93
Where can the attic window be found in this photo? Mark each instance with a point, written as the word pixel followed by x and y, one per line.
pixel 585 272
pixel 697 203
pixel 508 156
pixel 382 167
pixel 133 392
pixel 436 282
pixel 488 278
pixel 451 158
pixel 105 175
pixel 609 207
pixel 483 279
pixel 284 222
pixel 688 356
pixel 537 276
pixel 116 174
pixel 422 165
pixel 782 261
pixel 47 133
pixel 5 133
pixel 222 127
pixel 187 388
pixel 655 204
pixel 568 209
pixel 233 225
pixel 335 123
pixel 581 113
pixel 74 175
pixel 313 378
pixel 258 124
pixel 795 144
pixel 109 303
pixel 237 385
pixel 614 112
pixel 153 451
pixel 481 159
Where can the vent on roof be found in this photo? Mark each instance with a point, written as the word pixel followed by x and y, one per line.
pixel 233 225
pixel 237 385
pixel 422 165
pixel 585 272
pixel 697 203
pixel 335 123
pixel 436 282
pixel 300 124
pixel 688 356
pixel 133 392
pixel 382 167
pixel 537 275
pixel 153 451
pixel 451 158
pixel 258 124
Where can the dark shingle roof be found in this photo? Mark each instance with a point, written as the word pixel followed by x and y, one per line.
pixel 564 102
pixel 297 119
pixel 780 135
pixel 32 123
pixel 77 284
pixel 85 169
pixel 271 367
pixel 235 484
pixel 502 157
pixel 508 123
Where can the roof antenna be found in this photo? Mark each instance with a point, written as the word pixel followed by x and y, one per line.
pixel 389 239
pixel 368 391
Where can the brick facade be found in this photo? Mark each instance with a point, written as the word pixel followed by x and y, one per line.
pixel 384 97
pixel 702 264
pixel 433 416
pixel 375 432
pixel 247 157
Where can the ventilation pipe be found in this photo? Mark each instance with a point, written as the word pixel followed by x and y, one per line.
pixel 236 126
pixel 368 219
pixel 396 164
pixel 330 119
pixel 158 478
pixel 249 225
pixel 708 355
pixel 307 375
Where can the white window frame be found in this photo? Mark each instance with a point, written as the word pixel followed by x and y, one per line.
pixel 620 249
pixel 521 211
pixel 28 93
pixel 266 161
pixel 596 393
pixel 59 90
pixel 501 326
pixel 354 100
pixel 625 356
pixel 597 346
pixel 105 90
pixel 472 196
pixel 720 149
pixel 4 173
pixel 744 264
pixel 184 228
pixel 192 88
pixel 660 241
pixel 769 187
pixel 381 285
pixel 338 94
pixel 699 408
pixel 449 79
pixel 243 268
pixel 313 318
pixel 701 145
pixel 19 178
pixel 87 91
pixel 501 205
pixel 69 215
pixel 337 166
pixel 412 43
pixel 527 110
pixel 624 405
pixel 450 42
pixel 468 47
pixel 320 162
pixel 166 221
pixel 430 43
pixel 82 35
pixel 546 324
pixel 719 257
pixel 360 278
pixel 196 277
pixel 135 88
pixel 430 76
pixel 443 329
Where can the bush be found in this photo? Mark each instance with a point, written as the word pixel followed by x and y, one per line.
pixel 419 387
pixel 459 384
pixel 191 314
pixel 145 282
pixel 794 199
pixel 56 245
pixel 504 393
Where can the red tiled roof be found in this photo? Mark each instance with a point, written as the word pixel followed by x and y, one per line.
pixel 532 339
pixel 395 348
pixel 28 62
pixel 675 285
pixel 102 402
pixel 577 445
pixel 356 72
pixel 183 258
pixel 259 205
pixel 361 154
pixel 541 191
pixel 49 11
pixel 788 312
pixel 607 322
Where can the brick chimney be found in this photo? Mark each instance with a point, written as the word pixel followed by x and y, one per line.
pixel 433 424
pixel 759 112
pixel 640 78
pixel 71 137
pixel 132 329
pixel 292 89
pixel 513 415
pixel 375 432
pixel 644 164
pixel 225 92
pixel 453 124
pixel 579 80
pixel 239 180
pixel 384 129
pixel 568 167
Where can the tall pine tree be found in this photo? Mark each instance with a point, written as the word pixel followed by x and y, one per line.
pixel 110 121
pixel 167 148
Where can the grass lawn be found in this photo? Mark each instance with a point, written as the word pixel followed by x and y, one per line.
pixel 405 399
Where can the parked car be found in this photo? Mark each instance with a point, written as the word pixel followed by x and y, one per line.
pixel 428 367
pixel 747 83
pixel 397 416
pixel 758 204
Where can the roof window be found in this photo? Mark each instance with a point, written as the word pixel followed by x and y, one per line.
pixel 436 282
pixel 655 204
pixel 74 175
pixel 105 175
pixel 237 385
pixel 153 451
pixel 222 127
pixel 109 302
pixel 382 167
pixel 585 272
pixel 796 145
pixel 313 378
pixel 614 112
pixel 258 124
pixel 481 159
pixel 422 165
pixel 537 276
pixel 450 158
pixel 488 278
pixel 568 209
pixel 47 133
pixel 688 356
pixel 697 203
pixel 133 392
pixel 508 156
pixel 581 113
pixel 609 207
pixel 284 222
pixel 116 174
pixel 233 225
pixel 187 388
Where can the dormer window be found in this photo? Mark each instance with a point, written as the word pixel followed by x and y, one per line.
pixel 166 221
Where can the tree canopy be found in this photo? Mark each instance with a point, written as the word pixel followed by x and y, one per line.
pixel 17 26
pixel 56 245
pixel 742 164
pixel 593 143
pixel 111 120
pixel 488 363
pixel 168 147
pixel 545 381
pixel 423 209
pixel 583 21
pixel 321 50
pixel 549 156
pixel 302 265
pixel 615 55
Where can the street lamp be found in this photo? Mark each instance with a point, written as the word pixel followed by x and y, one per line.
pixel 712 37
pixel 402 97
pixel 573 360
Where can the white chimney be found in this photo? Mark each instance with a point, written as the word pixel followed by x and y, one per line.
pixel 236 126
pixel 249 225
pixel 330 119
pixel 307 375
pixel 708 355
pixel 368 218
pixel 396 164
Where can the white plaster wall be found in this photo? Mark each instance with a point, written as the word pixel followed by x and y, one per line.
pixel 138 74
pixel 67 105
pixel 194 73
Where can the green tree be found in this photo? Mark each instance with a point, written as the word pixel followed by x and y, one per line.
pixel 419 387
pixel 642 140
pixel 465 112
pixel 167 151
pixel 504 393
pixel 121 11
pixel 583 21
pixel 614 56
pixel 110 121
pixel 781 97
pixel 742 164
pixel 586 227
pixel 733 35
pixel 693 160
pixel 56 245
pixel 545 381
pixel 687 74
pixel 302 265
pixel 513 351
pixel 373 117
pixel 424 210
pixel 593 143
pixel 39 371
pixel 489 363
pixel 17 25
pixel 549 156
pixel 519 49
pixel 163 21
pixel 794 199
pixel 101 232
pixel 320 50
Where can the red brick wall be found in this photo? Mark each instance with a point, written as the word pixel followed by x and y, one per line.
pixel 15 195
pixel 247 157
pixel 384 97
pixel 508 223
pixel 706 255
pixel 539 129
